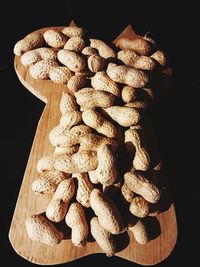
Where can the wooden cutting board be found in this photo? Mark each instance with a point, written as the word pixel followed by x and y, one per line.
pixel 28 203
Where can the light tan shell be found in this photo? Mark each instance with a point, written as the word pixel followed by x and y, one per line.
pixel 29 42
pixel 75 44
pixel 103 238
pixel 124 116
pixel 46 163
pixel 70 118
pixel 129 94
pixel 41 69
pixel 88 51
pixel 71 31
pixel 47 182
pixel 127 75
pixel 31 57
pixel 139 105
pixel 128 57
pixel 60 74
pixel 140 233
pixel 76 82
pixel 101 81
pixel 96 63
pixel 40 230
pixel 55 38
pixel 94 120
pixel 127 194
pixel 88 98
pixel 84 189
pixel 66 150
pixel 104 50
pixel 139 207
pixel 145 63
pixel 78 162
pixel 58 206
pixel 134 140
pixel 160 57
pixel 72 60
pixel 107 212
pixel 139 184
pixel 67 103
pixel 76 220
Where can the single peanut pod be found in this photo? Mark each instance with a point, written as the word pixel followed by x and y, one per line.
pixel 72 31
pixel 134 140
pixel 129 94
pixel 88 51
pixel 127 194
pixel 78 162
pixel 40 230
pixel 41 69
pixel 46 163
pixel 145 63
pixel 106 171
pixel 94 120
pixel 58 206
pixel 101 81
pixel 140 232
pixel 96 63
pixel 29 42
pixel 84 189
pixel 75 44
pixel 104 50
pixel 57 135
pixel 160 57
pixel 139 45
pixel 66 150
pixel 103 238
pixel 107 212
pixel 128 57
pixel 55 38
pixel 76 82
pixel 138 183
pixel 124 116
pixel 60 74
pixel 70 118
pixel 139 207
pixel 88 98
pixel 31 57
pixel 76 220
pixel 72 60
pixel 67 103
pixel 127 75
pixel 140 105
pixel 47 182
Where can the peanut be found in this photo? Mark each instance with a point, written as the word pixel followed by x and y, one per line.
pixel 104 50
pixel 67 103
pixel 66 150
pixel 145 63
pixel 41 69
pixel 94 120
pixel 46 163
pixel 60 74
pixel 55 38
pixel 138 182
pixel 76 82
pixel 40 230
pixel 139 207
pixel 70 118
pixel 107 212
pixel 29 42
pixel 127 194
pixel 96 63
pixel 160 57
pixel 88 51
pixel 103 238
pixel 129 94
pixel 75 44
pixel 140 233
pixel 72 31
pixel 76 220
pixel 139 105
pixel 72 60
pixel 58 206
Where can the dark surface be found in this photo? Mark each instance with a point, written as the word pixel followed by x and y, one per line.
pixel 173 116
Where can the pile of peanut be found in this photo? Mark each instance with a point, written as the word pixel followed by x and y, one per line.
pixel 100 161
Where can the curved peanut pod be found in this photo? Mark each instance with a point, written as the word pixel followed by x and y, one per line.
pixel 128 57
pixel 58 206
pixel 72 60
pixel 77 163
pixel 124 116
pixel 55 38
pixel 139 207
pixel 40 230
pixel 103 238
pixel 88 51
pixel 29 42
pixel 67 103
pixel 76 82
pixel 41 69
pixel 60 74
pixel 127 75
pixel 47 182
pixel 129 94
pixel 107 212
pixel 70 118
pixel 76 220
pixel 140 233
pixel 145 63
pixel 94 120
pixel 96 63
pixel 88 98
pixel 104 50
pixel 71 31
pixel 75 44
pixel 139 184
pixel 141 46
pixel 134 141
pixel 101 81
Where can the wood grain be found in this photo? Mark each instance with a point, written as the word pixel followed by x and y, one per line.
pixel 28 203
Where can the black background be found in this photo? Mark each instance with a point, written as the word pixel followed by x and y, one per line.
pixel 174 117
